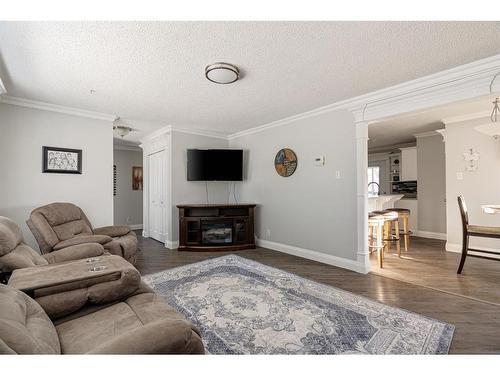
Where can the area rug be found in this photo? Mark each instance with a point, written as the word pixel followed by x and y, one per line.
pixel 244 307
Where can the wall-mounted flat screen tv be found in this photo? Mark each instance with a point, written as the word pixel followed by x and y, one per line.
pixel 214 165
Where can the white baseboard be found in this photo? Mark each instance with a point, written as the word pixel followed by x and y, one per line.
pixel 332 260
pixel 135 226
pixel 434 235
pixel 172 244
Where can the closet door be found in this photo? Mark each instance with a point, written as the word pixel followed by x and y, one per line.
pixel 157 196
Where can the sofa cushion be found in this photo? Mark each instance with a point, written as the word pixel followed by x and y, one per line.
pixel 24 326
pixel 59 213
pixel 42 231
pixel 10 235
pixel 64 219
pixel 71 229
pixel 86 333
pixel 75 252
pixel 77 240
pixel 22 256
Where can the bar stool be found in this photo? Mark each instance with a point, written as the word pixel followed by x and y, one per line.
pixel 404 214
pixel 390 218
pixel 376 224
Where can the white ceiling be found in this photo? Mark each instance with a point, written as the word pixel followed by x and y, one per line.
pixel 402 129
pixel 151 74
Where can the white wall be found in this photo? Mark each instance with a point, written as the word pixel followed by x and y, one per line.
pixel 183 191
pixel 23 186
pixel 127 203
pixel 479 187
pixel 431 166
pixel 312 209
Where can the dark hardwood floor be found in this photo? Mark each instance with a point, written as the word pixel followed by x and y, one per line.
pixel 428 264
pixel 477 323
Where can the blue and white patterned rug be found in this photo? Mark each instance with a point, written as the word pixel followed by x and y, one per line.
pixel 245 307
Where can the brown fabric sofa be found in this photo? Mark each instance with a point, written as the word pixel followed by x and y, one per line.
pixel 59 225
pixel 139 324
pixel 15 254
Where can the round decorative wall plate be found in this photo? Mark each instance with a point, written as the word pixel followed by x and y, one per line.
pixel 285 162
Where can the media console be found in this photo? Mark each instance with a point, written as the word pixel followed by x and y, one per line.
pixel 216 227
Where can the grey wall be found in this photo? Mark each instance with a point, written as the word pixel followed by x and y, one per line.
pixel 431 166
pixel 193 192
pixel 127 203
pixel 23 186
pixel 312 209
pixel 479 187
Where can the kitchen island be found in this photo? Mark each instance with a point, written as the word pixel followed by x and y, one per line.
pixel 382 202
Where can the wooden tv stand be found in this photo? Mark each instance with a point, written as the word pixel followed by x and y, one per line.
pixel 216 227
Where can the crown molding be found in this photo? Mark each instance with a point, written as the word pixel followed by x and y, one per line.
pixel 201 132
pixel 431 133
pixel 162 131
pixel 127 148
pixel 287 120
pixel 169 129
pixel 6 99
pixel 459 83
pixel 466 117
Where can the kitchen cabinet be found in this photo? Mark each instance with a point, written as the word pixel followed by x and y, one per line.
pixel 408 169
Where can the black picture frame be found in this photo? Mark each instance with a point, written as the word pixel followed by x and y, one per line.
pixel 75 169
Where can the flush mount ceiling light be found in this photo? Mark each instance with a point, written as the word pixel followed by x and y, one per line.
pixel 120 130
pixel 222 73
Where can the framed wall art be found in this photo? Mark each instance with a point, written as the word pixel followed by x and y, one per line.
pixel 136 178
pixel 285 162
pixel 61 160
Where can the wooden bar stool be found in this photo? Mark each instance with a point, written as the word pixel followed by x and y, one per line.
pixel 404 214
pixel 376 225
pixel 390 218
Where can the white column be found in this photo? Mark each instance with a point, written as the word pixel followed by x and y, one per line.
pixel 362 193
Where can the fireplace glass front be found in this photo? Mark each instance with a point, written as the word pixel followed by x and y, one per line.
pixel 216 233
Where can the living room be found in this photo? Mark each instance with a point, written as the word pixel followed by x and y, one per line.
pixel 181 187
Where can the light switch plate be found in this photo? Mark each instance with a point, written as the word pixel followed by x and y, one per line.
pixel 319 161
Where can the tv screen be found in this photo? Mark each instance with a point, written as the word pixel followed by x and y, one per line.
pixel 214 165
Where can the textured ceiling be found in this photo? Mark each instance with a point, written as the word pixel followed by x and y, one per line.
pixel 152 73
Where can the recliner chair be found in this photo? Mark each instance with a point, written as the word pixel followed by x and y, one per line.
pixel 15 254
pixel 138 324
pixel 59 225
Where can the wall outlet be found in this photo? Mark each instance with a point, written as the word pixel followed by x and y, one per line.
pixel 460 176
pixel 337 175
pixel 128 220
pixel 268 233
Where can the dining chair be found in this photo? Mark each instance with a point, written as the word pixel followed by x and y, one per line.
pixel 474 231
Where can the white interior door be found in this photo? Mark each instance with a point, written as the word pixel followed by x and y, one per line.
pixel 157 196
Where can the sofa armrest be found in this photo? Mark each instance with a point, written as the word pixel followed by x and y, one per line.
pixel 63 288
pixel 166 336
pixel 100 239
pixel 75 252
pixel 113 230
